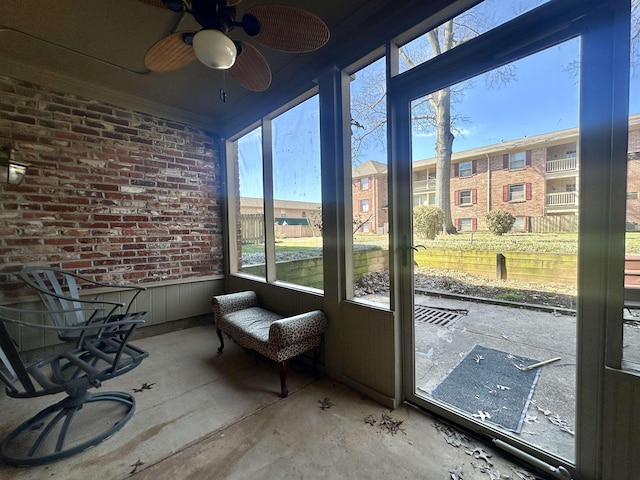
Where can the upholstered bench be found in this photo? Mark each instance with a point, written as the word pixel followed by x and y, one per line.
pixel 278 338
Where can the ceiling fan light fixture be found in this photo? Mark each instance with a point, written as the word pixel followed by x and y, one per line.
pixel 214 49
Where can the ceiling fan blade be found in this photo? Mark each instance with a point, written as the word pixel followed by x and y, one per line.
pixel 169 53
pixel 251 70
pixel 290 29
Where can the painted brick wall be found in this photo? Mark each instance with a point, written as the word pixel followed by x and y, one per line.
pixel 114 193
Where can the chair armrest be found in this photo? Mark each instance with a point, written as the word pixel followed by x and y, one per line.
pixel 292 330
pixel 232 302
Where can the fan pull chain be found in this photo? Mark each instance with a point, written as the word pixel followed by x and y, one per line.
pixel 223 93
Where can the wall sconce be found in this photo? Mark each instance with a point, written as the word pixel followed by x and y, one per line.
pixel 11 170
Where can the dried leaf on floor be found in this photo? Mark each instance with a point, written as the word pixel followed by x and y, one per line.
pixel 145 386
pixel 391 425
pixel 452 436
pixel 370 419
pixel 556 420
pixel 482 415
pixel 488 470
pixel 135 467
pixel 325 404
pixel 457 473
pixel 480 454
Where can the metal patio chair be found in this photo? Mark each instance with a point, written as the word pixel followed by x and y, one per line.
pixel 82 419
pixel 67 298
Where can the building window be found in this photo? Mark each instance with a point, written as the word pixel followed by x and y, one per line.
pixel 465 224
pixel 570 187
pixel 465 169
pixel 465 197
pixel 632 195
pixel 364 205
pixel 364 183
pixel 570 154
pixel 517 160
pixel 516 193
pixel 366 227
pixel 304 214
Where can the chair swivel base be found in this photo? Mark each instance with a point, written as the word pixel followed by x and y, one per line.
pixel 49 435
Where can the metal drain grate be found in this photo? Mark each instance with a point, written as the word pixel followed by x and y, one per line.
pixel 437 316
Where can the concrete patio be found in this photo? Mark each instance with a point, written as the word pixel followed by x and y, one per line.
pixel 201 415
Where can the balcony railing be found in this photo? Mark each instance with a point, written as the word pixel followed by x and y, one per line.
pixel 561 199
pixel 424 185
pixel 562 164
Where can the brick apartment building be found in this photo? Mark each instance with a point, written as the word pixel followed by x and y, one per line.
pixel 530 177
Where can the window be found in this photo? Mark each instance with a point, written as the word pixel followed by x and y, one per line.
pixel 570 154
pixel 465 197
pixel 516 193
pixel 466 27
pixel 465 169
pixel 570 187
pixel 517 160
pixel 370 252
pixel 247 155
pixel 292 162
pixel 632 195
pixel 303 214
pixel 297 179
pixel 465 224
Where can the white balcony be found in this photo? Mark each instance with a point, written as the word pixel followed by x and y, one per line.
pixel 561 199
pixel 424 185
pixel 562 165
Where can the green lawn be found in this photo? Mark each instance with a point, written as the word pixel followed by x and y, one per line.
pixel 510 242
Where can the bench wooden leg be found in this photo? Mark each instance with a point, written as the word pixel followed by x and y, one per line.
pixel 283 379
pixel 221 347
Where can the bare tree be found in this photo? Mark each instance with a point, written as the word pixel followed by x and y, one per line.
pixel 432 113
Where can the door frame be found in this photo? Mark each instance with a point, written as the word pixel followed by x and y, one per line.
pixel 603 93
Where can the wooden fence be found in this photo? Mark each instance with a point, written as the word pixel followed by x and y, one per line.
pixel 554 224
pixel 252 228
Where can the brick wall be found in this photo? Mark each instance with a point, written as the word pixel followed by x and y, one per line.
pixel 114 193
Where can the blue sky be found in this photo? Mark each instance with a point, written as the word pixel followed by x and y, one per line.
pixel 542 98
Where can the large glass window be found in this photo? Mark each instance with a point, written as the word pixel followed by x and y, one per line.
pixel 296 186
pixel 369 193
pixel 251 237
pixel 466 26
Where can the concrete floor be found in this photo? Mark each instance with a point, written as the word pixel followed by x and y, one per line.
pixel 210 416
pixel 541 335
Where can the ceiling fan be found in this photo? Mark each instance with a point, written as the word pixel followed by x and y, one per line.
pixel 281 27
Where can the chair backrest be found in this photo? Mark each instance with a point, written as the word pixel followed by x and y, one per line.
pixel 60 293
pixel 12 370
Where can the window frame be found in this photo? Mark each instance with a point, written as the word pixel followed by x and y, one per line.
pixel 511 198
pixel 512 160
pixel 467 193
pixel 468 166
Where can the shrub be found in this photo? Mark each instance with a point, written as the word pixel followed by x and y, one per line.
pixel 499 221
pixel 427 221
